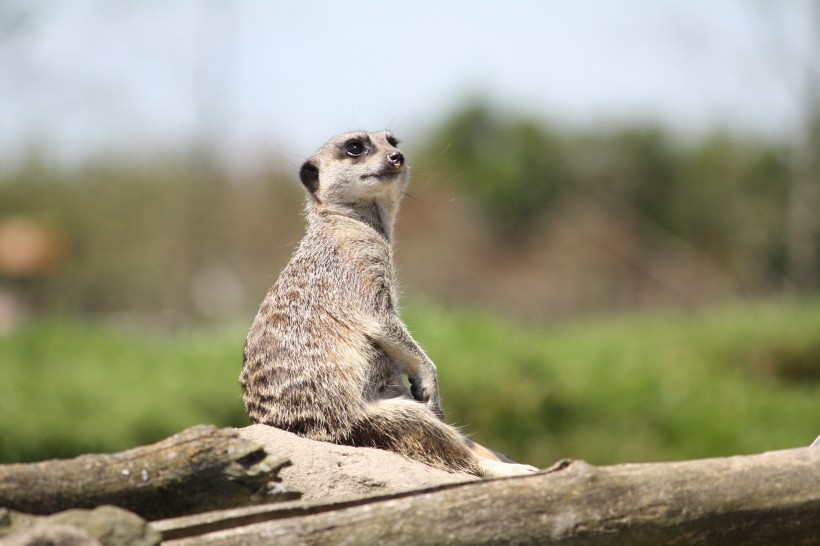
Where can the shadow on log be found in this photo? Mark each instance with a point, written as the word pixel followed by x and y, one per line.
pixel 199 469
pixel 772 498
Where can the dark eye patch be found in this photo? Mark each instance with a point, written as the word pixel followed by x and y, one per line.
pixel 393 141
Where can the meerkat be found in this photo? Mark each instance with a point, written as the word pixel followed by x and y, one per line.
pixel 326 354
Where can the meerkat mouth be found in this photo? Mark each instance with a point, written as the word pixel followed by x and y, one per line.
pixel 382 175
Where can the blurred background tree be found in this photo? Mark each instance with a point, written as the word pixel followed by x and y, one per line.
pixel 804 204
pixel 514 168
pixel 151 237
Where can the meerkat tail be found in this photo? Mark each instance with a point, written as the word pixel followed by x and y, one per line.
pixel 487 453
pixel 493 464
pixel 412 430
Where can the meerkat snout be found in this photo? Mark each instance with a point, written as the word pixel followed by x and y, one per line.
pixel 396 159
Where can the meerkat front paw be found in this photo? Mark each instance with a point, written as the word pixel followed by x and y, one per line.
pixel 415 388
pixel 422 394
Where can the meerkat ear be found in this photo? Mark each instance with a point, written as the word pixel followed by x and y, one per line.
pixel 309 173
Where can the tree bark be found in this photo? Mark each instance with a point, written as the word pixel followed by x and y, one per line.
pixel 772 498
pixel 199 469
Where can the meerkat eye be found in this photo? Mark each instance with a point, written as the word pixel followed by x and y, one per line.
pixel 354 148
pixel 393 141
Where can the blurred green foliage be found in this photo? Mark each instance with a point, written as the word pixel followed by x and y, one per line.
pixel 515 168
pixel 71 387
pixel 179 234
pixel 740 379
pixel 632 388
pixel 138 236
pixel 723 192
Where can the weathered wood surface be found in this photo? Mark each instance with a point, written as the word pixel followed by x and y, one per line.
pixel 199 469
pixel 772 498
pixel 321 470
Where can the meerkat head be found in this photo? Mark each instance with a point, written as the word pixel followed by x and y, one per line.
pixel 357 169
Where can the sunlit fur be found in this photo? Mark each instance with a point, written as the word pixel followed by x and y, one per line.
pixel 325 356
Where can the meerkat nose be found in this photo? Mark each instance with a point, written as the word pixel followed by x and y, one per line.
pixel 396 159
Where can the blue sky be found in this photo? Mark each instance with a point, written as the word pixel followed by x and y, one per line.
pixel 278 78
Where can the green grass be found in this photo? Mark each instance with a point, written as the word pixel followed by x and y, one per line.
pixel 632 388
pixel 70 387
pixel 665 386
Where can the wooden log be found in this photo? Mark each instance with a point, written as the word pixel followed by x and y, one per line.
pixel 772 498
pixel 106 525
pixel 199 469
